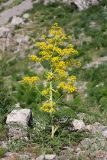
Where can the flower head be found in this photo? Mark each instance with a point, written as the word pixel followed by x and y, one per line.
pixel 48 106
pixel 30 80
pixel 34 58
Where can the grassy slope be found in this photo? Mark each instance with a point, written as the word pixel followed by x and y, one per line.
pixel 89 32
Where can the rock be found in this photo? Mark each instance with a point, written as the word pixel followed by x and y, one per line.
pixel 3 144
pixel 22 39
pixel 50 157
pixel 4 31
pixel 86 143
pixel 18 121
pixel 101 155
pixel 26 16
pixel 81 4
pixel 15 156
pixel 89 128
pixel 42 157
pixel 84 4
pixel 78 125
pixel 47 157
pixel 104 133
pixel 17 21
pixel 19 117
pixel 98 128
pixel 17 132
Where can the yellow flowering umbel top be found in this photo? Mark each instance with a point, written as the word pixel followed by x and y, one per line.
pixel 56 50
pixel 30 80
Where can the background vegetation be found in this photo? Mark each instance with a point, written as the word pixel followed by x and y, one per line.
pixel 89 34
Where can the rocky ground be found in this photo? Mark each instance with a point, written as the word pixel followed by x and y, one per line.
pixel 92 148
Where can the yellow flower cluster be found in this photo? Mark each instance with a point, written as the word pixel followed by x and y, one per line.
pixel 50 76
pixel 34 58
pixel 60 65
pixel 72 78
pixel 30 80
pixel 61 73
pixel 56 52
pixel 45 92
pixel 55 59
pixel 57 32
pixel 48 106
pixel 68 87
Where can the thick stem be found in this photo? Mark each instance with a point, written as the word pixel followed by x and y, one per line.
pixel 51 96
pixel 51 115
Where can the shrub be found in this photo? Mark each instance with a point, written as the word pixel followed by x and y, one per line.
pixel 2 152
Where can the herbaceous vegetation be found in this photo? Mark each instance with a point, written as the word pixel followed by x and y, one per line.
pixel 57 55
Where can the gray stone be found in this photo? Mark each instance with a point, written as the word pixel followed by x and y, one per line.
pixel 89 128
pixel 84 4
pixel 50 157
pixel 98 128
pixel 3 144
pixel 81 4
pixel 19 117
pixel 4 31
pixel 78 125
pixel 22 39
pixel 104 133
pixel 18 121
pixel 86 143
pixel 15 11
pixel 17 21
pixel 26 16
pixel 42 157
pixel 25 156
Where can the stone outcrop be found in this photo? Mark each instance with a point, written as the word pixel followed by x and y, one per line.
pixel 78 125
pixel 18 121
pixel 84 4
pixel 17 21
pixel 81 4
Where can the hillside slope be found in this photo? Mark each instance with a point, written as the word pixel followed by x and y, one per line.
pixel 88 29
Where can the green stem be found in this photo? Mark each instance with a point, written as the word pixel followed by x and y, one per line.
pixel 51 96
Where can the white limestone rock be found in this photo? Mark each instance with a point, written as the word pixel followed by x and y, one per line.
pixel 4 31
pixel 22 39
pixel 82 4
pixel 17 21
pixel 42 157
pixel 19 117
pixel 50 157
pixel 78 125
pixel 26 16
pixel 104 133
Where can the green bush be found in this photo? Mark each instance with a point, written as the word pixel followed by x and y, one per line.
pixel 6 101
pixel 2 152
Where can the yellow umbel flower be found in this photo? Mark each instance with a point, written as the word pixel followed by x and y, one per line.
pixel 34 58
pixel 30 80
pixel 55 59
pixel 61 73
pixel 45 92
pixel 68 87
pixel 48 106
pixel 50 76
pixel 60 65
pixel 72 78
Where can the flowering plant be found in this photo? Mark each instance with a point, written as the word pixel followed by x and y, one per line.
pixel 55 50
